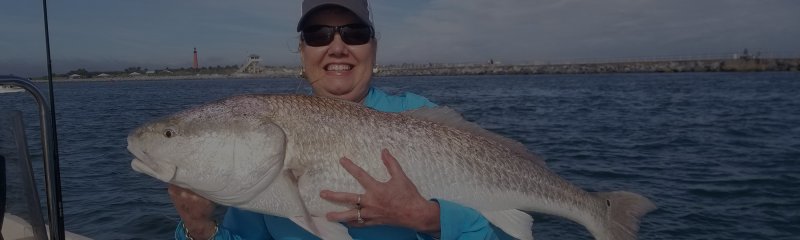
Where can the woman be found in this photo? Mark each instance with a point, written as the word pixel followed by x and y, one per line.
pixel 338 50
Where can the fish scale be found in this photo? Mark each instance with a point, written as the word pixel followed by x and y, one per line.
pixel 446 158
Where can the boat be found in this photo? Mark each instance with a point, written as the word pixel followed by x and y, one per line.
pixel 34 227
pixel 16 228
pixel 10 89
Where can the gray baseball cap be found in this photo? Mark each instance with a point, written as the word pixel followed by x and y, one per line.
pixel 359 7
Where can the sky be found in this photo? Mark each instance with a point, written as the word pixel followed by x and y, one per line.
pixel 108 35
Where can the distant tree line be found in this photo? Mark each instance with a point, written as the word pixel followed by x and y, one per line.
pixel 219 69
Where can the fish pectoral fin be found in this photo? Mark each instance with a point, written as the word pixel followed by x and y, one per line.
pixel 513 222
pixel 319 226
pixel 322 228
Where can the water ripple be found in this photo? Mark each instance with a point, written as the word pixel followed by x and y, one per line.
pixel 718 153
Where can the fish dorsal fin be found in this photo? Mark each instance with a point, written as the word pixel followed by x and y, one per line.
pixel 449 117
pixel 513 222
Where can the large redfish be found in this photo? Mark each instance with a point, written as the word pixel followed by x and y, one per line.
pixel 274 153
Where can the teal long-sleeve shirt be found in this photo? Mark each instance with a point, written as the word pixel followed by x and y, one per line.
pixel 457 222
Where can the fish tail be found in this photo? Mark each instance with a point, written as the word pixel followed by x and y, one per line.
pixel 622 213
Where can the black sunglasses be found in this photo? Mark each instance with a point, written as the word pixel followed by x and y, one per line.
pixel 322 35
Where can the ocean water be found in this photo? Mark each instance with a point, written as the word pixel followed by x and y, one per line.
pixel 719 153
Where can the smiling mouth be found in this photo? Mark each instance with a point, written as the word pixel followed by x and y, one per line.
pixel 338 67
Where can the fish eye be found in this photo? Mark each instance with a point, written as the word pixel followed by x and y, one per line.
pixel 169 133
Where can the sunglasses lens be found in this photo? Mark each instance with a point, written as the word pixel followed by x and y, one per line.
pixel 353 34
pixel 356 34
pixel 318 35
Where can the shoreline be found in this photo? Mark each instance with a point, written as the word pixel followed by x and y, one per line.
pixel 270 78
pixel 721 65
pixel 162 78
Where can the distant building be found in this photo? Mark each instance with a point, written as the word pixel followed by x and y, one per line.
pixel 103 75
pixel 134 74
pixel 150 72
pixel 195 64
pixel 745 55
pixel 74 76
pixel 252 66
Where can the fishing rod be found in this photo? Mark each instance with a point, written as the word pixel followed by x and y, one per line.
pixel 55 209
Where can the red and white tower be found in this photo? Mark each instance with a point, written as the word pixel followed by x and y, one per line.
pixel 194 64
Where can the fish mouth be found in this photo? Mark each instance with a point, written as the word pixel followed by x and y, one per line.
pixel 159 170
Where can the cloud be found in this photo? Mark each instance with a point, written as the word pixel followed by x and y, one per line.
pixel 152 33
pixel 531 30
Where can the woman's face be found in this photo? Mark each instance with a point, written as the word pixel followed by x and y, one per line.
pixel 337 69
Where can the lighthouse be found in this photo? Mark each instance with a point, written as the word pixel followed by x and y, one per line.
pixel 194 64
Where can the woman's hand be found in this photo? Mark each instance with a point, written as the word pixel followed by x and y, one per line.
pixel 195 211
pixel 395 202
